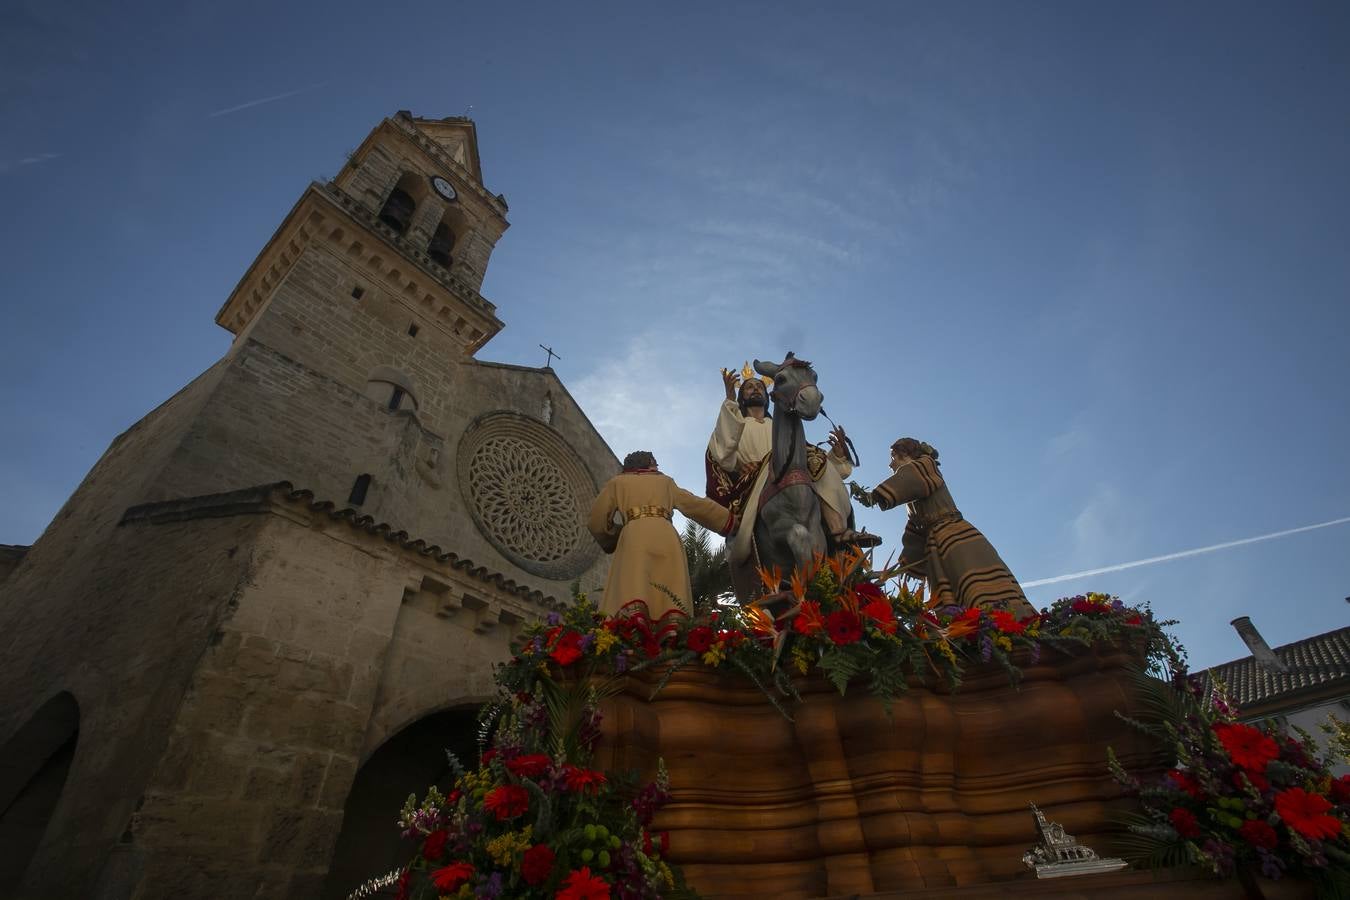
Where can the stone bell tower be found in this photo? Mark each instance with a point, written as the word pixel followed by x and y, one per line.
pixel 215 659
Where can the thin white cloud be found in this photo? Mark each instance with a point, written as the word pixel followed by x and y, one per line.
pixel 8 166
pixel 1167 557
pixel 261 100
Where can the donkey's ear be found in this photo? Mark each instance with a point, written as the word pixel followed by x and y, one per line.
pixel 767 368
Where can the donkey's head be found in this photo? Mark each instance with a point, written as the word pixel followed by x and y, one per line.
pixel 794 386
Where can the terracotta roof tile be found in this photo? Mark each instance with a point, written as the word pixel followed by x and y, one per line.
pixel 1314 663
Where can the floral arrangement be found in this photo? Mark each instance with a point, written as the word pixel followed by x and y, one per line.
pixel 846 624
pixel 1242 798
pixel 534 820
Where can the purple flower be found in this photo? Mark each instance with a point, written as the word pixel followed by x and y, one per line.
pixel 537 645
pixel 490 887
pixel 621 662
pixel 587 642
pixel 1034 655
pixel 554 619
pixel 1271 866
pixel 986 646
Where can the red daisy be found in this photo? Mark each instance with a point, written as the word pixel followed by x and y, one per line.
pixel 1248 747
pixel 880 611
pixel 585 780
pixel 699 639
pixel 1307 814
pixel 580 884
pixel 451 877
pixel 529 765
pixel 507 801
pixel 567 650
pixel 844 626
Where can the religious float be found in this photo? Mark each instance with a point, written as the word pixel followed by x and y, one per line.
pixel 844 731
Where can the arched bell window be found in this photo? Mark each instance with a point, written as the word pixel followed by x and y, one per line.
pixel 398 210
pixel 442 242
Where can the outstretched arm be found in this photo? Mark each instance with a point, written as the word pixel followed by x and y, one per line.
pixel 914 480
pixel 708 513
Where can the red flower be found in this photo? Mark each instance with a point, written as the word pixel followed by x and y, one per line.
pixel 1340 789
pixel 579 779
pixel 1256 778
pixel 433 848
pixel 528 766
pixel 567 650
pixel 665 842
pixel 1307 814
pixel 1135 619
pixel 580 884
pixel 731 638
pixel 1183 820
pixel 1259 834
pixel 843 626
pixel 1006 622
pixel 1247 747
pixel 808 621
pixel 507 801
pixel 1185 783
pixel 880 611
pixel 699 639
pixel 489 756
pixel 537 864
pixel 403 881
pixel 867 592
pixel 451 877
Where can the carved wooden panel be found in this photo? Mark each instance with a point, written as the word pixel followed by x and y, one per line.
pixel 845 800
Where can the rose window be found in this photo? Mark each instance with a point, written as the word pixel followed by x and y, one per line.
pixel 528 494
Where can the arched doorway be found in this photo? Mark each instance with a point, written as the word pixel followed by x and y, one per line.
pixel 34 764
pixel 408 763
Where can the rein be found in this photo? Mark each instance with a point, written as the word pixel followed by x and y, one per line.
pixel 848 442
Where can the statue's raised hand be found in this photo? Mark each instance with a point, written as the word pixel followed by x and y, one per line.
pixel 730 379
pixel 861 494
pixel 839 442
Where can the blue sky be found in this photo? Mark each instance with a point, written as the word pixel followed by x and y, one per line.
pixel 1095 253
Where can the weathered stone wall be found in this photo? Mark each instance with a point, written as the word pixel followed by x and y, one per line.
pixel 120 624
pixel 10 557
pixel 290 698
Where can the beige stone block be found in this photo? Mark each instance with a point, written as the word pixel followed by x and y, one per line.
pixel 298 837
pixel 224 828
pixel 320 674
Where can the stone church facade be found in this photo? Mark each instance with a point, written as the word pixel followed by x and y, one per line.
pixel 254 625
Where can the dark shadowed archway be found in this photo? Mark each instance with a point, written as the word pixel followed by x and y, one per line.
pixel 407 763
pixel 34 764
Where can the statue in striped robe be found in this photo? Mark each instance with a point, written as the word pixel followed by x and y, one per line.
pixel 960 565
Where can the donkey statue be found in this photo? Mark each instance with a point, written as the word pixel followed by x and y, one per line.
pixel 787 532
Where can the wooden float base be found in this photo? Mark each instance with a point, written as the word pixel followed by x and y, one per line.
pixel 846 801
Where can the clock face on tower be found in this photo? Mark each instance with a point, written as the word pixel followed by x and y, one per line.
pixel 443 187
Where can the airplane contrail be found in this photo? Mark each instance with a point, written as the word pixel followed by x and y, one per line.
pixel 262 100
pixel 1184 553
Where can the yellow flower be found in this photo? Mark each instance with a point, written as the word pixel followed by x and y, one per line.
pixel 801 658
pixel 604 639
pixel 715 655
pixel 1004 642
pixel 946 650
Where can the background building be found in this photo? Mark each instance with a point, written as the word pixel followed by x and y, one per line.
pixel 1296 685
pixel 277 596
